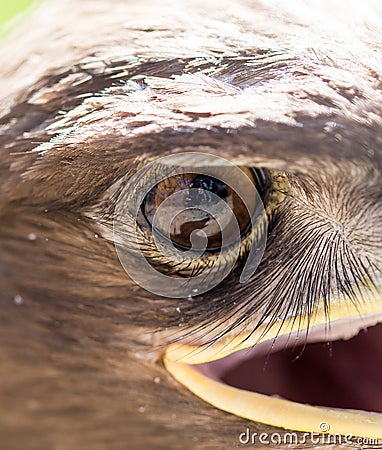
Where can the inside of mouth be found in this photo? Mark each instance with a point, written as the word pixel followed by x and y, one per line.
pixel 338 374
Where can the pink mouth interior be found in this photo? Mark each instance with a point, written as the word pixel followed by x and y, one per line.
pixel 340 374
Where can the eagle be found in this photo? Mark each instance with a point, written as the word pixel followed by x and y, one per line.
pixel 234 141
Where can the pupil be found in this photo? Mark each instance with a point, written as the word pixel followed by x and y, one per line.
pixel 211 184
pixel 205 184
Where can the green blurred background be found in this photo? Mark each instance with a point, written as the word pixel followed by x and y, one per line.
pixel 12 9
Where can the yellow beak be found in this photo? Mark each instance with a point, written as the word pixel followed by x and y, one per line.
pixel 345 320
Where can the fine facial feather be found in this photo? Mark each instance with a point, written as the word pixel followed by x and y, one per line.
pixel 81 110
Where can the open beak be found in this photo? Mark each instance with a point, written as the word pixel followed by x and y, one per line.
pixel 214 372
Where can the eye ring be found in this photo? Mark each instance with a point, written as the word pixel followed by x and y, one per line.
pixel 160 267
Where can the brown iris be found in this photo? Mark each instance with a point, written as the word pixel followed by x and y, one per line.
pixel 189 206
